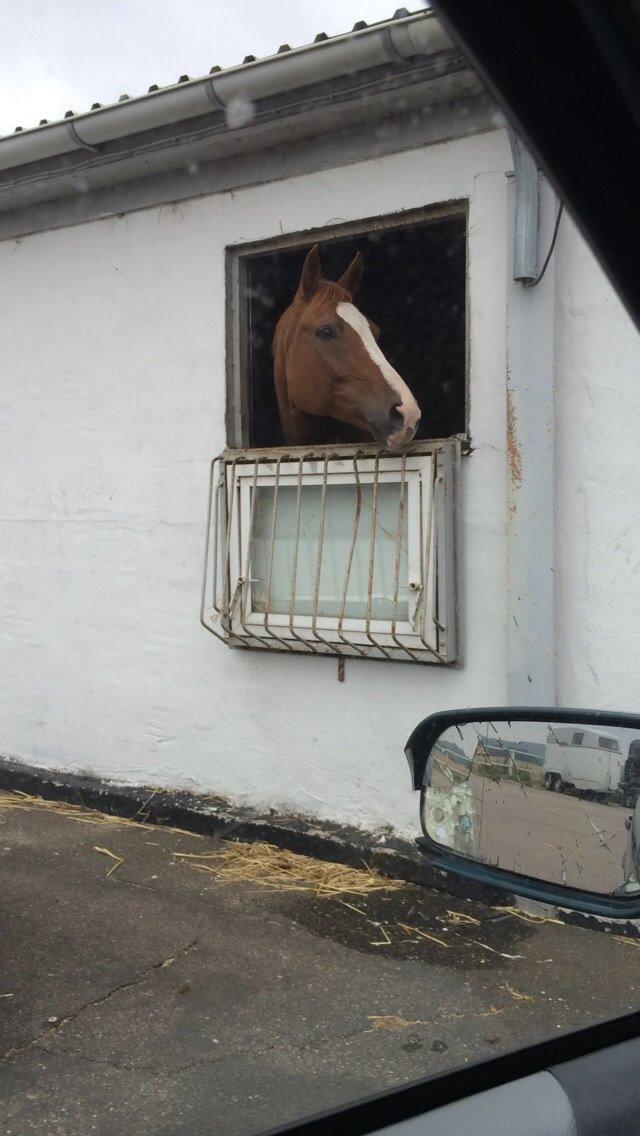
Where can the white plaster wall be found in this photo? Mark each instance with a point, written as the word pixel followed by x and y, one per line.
pixel 113 388
pixel 597 494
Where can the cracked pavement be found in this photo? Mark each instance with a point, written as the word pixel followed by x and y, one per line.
pixel 156 1000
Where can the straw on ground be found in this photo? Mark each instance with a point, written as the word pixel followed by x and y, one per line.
pixel 80 813
pixel 280 870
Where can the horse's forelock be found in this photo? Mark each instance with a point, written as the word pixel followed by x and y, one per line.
pixel 327 292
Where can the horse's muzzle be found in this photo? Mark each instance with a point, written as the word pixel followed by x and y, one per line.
pixel 402 427
pixel 397 428
pixel 401 437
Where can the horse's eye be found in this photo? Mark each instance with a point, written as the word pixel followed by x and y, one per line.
pixel 326 331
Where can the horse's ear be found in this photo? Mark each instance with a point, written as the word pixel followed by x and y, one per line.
pixel 350 280
pixel 311 273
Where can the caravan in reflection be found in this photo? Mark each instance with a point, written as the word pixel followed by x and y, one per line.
pixel 592 763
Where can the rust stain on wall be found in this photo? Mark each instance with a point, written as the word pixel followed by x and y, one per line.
pixel 513 450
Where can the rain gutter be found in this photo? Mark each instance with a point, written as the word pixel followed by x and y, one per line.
pixel 393 41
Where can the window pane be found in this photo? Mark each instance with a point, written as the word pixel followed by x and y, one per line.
pixel 340 516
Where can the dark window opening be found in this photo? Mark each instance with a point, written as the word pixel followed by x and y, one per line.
pixel 414 289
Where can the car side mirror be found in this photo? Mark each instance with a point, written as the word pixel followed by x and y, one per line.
pixel 540 802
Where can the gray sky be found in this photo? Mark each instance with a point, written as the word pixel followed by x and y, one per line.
pixel 66 54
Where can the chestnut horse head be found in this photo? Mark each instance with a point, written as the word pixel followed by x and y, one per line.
pixel 328 364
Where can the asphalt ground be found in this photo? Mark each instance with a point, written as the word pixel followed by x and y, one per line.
pixel 159 1000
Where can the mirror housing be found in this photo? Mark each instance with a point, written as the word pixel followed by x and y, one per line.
pixel 597 869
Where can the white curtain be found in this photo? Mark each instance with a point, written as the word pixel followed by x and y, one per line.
pixel 339 520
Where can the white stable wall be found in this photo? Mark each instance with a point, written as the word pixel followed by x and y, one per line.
pixel 597 476
pixel 112 404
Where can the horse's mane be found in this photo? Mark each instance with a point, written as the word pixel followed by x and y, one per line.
pixel 327 291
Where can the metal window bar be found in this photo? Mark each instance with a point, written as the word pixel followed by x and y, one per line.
pixel 294 567
pixel 227 598
pixel 398 555
pixel 210 509
pixel 352 548
pixel 272 548
pixel 372 554
pixel 316 620
pixel 333 647
pixel 246 580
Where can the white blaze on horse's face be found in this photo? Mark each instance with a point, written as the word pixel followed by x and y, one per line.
pixel 407 408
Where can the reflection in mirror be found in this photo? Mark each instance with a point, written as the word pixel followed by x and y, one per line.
pixel 557 802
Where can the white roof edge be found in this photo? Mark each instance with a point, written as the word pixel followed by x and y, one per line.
pixel 390 40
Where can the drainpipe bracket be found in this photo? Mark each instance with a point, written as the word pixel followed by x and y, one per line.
pixel 526 221
pixel 73 133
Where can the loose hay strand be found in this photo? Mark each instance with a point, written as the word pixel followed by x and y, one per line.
pixel 280 870
pixel 460 917
pixel 107 852
pixel 529 917
pixel 493 950
pixel 424 935
pixel 517 994
pixel 392 1022
pixel 386 942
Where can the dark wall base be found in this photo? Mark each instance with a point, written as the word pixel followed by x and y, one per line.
pixel 391 857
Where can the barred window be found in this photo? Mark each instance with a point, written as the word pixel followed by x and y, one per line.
pixel 345 553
